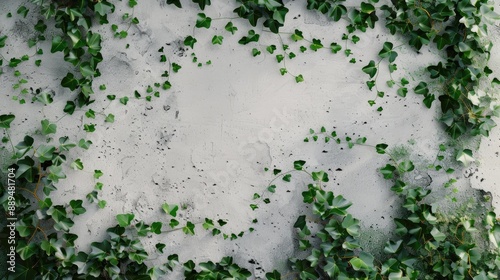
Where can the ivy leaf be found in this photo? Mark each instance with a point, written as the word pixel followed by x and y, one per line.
pixel 170 209
pixel 320 176
pixel 44 153
pixel 337 12
pixel 335 47
pixel 429 98
pixel 56 173
pixel 202 3
pixel 494 235
pixel 275 275
pixel 465 157
pixel 388 171
pixel 406 166
pixel 297 35
pixel 392 247
pixel 421 88
pixel 381 148
pixel 388 52
pixel 5 120
pixel 300 223
pixel 188 228
pixel 77 207
pixel 70 82
pixel 175 2
pixel 110 118
pixel 367 8
pixel 58 44
pixel 2 41
pixel 203 21
pixel 316 45
pixel 25 250
pixel 103 8
pixel 77 164
pixel 402 91
pixel 297 165
pixel 94 43
pixel 190 41
pixel 124 219
pixel 370 69
pixel 230 27
pixel 217 40
pixel 252 37
pixel 351 225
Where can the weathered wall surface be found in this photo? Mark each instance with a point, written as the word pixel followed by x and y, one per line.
pixel 205 142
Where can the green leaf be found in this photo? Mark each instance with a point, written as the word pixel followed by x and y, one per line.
pixel 217 40
pixel 5 120
pixel 370 69
pixel 98 174
pixel 170 209
pixel 70 82
pixel 208 224
pixel 176 67
pixel 320 176
pixel 124 220
pixel 203 21
pixel 45 98
pixel 494 235
pixel 188 228
pixel 438 235
pixel 2 41
pixel 77 164
pixel 297 165
pixel 337 12
pixel 300 223
pixel 44 153
pixel 367 8
pixel 56 173
pixel 173 223
pixel 335 47
pixel 316 45
pixel 124 100
pixel 255 52
pixel 77 207
pixel 351 225
pixel 402 91
pixel 421 88
pixel 94 43
pixel 381 148
pixel 252 37
pixel 387 51
pixel 287 177
pixel 58 44
pixel 392 247
pixel 429 98
pixel 84 144
pixel 48 128
pixel 406 166
pixel 297 35
pixel 25 250
pixel 103 8
pixel 110 118
pixel 388 171
pixel 230 27
pixel 102 204
pixel 465 156
pixel 175 2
